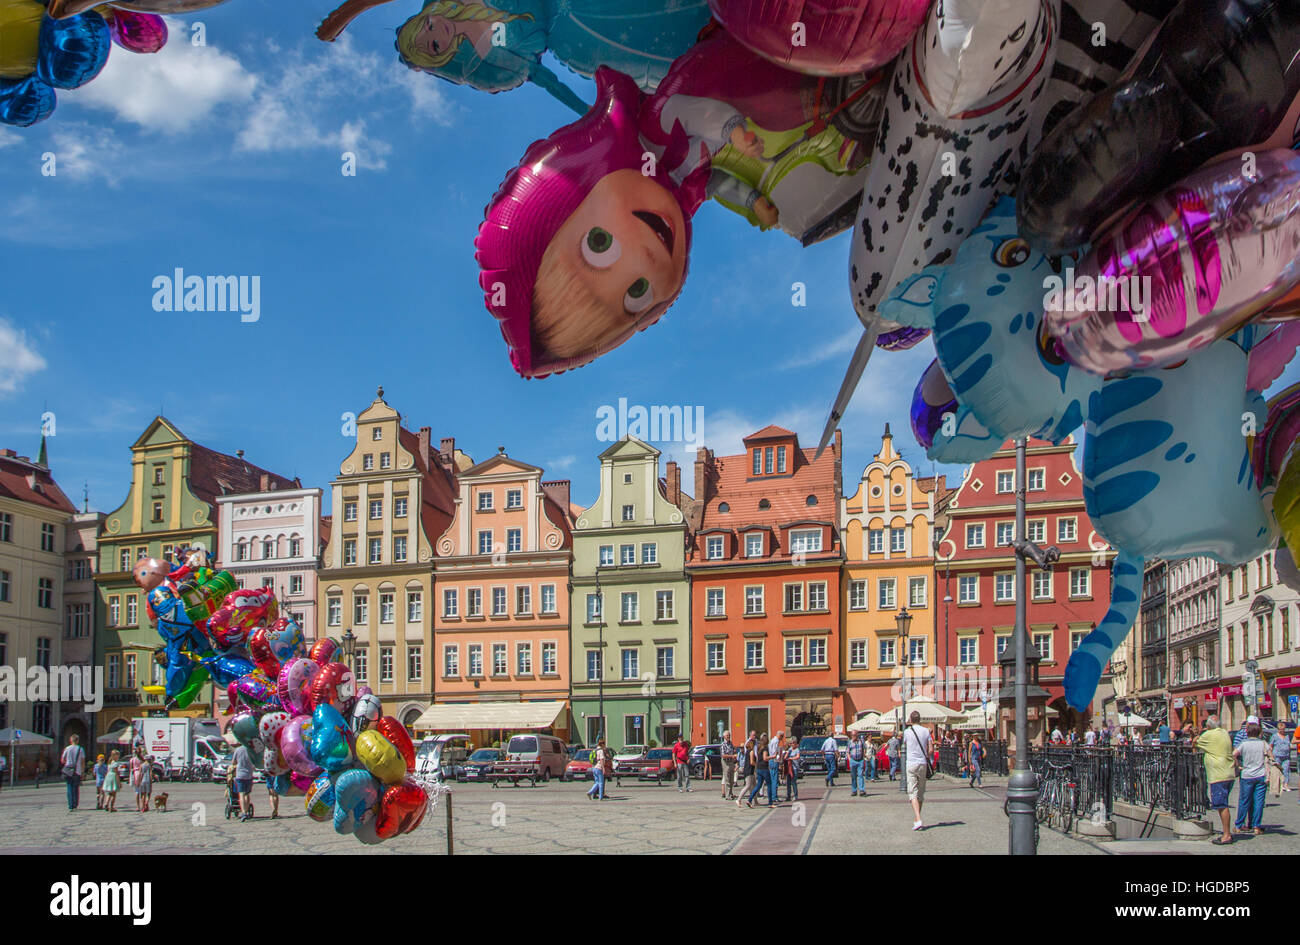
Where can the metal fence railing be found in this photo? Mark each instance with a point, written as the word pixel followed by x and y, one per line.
pixel 1164 778
pixel 952 759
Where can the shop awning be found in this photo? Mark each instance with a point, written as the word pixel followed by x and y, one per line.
pixel 466 716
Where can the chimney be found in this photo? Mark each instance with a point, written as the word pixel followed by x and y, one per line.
pixel 558 492
pixel 448 447
pixel 674 476
pixel 426 456
pixel 704 472
pixel 264 482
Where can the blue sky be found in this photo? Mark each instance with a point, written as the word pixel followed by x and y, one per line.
pixel 226 160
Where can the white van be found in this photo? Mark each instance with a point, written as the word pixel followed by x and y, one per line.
pixel 442 756
pixel 545 750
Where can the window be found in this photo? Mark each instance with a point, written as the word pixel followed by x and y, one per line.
pixel 523 599
pixel 376 550
pixel 753 654
pixel 715 657
pixel 385 460
pixel 1076 639
pixel 130 671
pixel 399 548
pixel 631 664
pixel 47 535
pixel 767 460
pixel 368 461
pixel 548 599
pixel 158 475
pixel 817 652
pixel 897 540
pixel 805 540
pixel 857 595
pixel 349 511
pixel 7 527
pixel 1042 585
pixel 876 541
pixel 916 650
pixel 157 515
pixel 975 535
pixel 817 595
pixel 1043 644
pixel 794 652
pixel 754 545
pixel 968 589
pixel 295 547
pixel 360 608
pixel 6 578
pixel 1000 644
pixel 386 664
pixel 1006 533
pixel 475 652
pixel 334 611
pixel 715 602
pixel 593 608
pixel 498 602
pixel 1004 587
pixel 758 462
pixel 754 599
pixel 593 665
pixel 485 542
pixel 916 591
pixel 1080 582
pixel 45 597
pixel 451 660
pixel 474 602
pixel 399 507
pixel 1036 480
pixel 1006 481
pixel 376 434
pixel 514 539
pixel 780 459
pixel 387 611
pixel 649 552
pixel 886 598
pixel 114 671
pixel 514 498
pixel 793 598
pixel 450 602
pixel 523 659
pixel 630 609
pixel 887 652
pixel 858 654
pixel 485 501
pixel 627 554
pixel 712 546
pixel 268 582
pixel 376 509
pixel 664 662
pixel 361 664
pixel 968 650
pixel 349 551
pixel 125 560
pixel 78 621
pixel 664 605
pixel 629 513
pixel 606 556
pixel 1036 529
pixel 1067 529
pixel 499 667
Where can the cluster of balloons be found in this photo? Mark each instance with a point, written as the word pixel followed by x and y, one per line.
pixel 63 44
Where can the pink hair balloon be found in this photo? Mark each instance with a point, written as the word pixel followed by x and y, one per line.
pixel 1192 264
pixel 293 685
pixel 293 746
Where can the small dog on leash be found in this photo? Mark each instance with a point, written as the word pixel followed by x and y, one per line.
pixel 160 802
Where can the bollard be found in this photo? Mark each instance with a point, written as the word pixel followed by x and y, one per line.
pixel 451 845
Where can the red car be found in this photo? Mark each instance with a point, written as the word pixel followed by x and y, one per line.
pixel 656 765
pixel 579 768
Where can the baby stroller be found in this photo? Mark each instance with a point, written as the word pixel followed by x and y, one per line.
pixel 232 801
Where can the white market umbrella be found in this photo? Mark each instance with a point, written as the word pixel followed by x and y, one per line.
pixel 870 722
pixel 122 736
pixel 931 713
pixel 27 738
pixel 1133 721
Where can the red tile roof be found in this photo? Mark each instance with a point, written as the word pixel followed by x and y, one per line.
pixel 215 474
pixel 25 481
pixel 769 432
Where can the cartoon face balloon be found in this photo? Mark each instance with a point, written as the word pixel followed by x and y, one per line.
pixel 330 745
pixel 242 610
pixel 333 685
pixel 148 573
pixel 366 712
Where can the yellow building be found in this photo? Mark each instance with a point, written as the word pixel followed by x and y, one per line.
pixel 394 495
pixel 889 565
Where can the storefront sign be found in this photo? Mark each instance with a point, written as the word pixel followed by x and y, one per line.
pixel 1288 682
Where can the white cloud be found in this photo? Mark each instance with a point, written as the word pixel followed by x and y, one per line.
pixel 836 351
pixel 9 138
pixel 561 464
pixel 19 358
pixel 83 152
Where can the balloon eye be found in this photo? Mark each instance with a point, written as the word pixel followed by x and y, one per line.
pixel 1055 263
pixel 639 296
pixel 1048 347
pixel 600 249
pixel 1011 253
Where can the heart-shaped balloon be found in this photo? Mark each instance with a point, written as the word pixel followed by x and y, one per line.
pixel 270 724
pixel 320 798
pixel 333 686
pixel 284 635
pixel 256 690
pixel 356 794
pixel 395 732
pixel 366 712
pixel 295 745
pixel 401 809
pixel 330 747
pixel 259 648
pixel 294 685
pixel 380 757
pixel 323 650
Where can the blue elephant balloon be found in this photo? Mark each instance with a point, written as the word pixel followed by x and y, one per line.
pixel 356 794
pixel 26 101
pixel 226 669
pixel 72 51
pixel 331 744
pixel 1002 370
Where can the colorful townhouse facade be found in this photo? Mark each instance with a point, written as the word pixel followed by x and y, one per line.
pixel 501 625
pixel 1193 670
pixel 395 494
pixel 1260 620
pixel 766 564
pixel 171 504
pixel 273 538
pixel 977 562
pixel 631 605
pixel 80 605
pixel 888 526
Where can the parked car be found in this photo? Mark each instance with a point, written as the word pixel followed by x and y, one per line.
pixel 442 757
pixel 579 766
pixel 699 753
pixel 545 751
pixel 812 759
pixel 624 759
pixel 477 765
pixel 658 765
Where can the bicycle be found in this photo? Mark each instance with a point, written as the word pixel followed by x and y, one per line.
pixel 1057 797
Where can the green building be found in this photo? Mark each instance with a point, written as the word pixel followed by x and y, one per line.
pixel 171 505
pixel 630 612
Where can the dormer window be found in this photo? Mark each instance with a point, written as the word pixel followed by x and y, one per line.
pixel 713 548
pixel 805 540
pixel 754 545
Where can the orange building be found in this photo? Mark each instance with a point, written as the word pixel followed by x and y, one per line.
pixel 501 623
pixel 765 564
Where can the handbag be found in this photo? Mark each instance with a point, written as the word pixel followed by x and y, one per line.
pixel 929 771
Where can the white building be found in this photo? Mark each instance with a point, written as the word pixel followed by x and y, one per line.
pixel 273 538
pixel 1260 621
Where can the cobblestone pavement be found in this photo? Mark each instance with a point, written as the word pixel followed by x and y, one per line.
pixel 558 818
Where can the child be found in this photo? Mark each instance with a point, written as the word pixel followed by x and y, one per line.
pixel 112 783
pixel 101 772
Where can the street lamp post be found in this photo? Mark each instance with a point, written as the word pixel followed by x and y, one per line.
pixel 349 646
pixel 904 622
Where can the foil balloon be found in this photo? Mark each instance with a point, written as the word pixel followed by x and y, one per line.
pixel 136 32
pixel 379 756
pixel 25 102
pixel 285 639
pixel 295 746
pixel 270 725
pixel 227 670
pixel 293 685
pixel 356 794
pixel 72 51
pixel 401 809
pixel 245 729
pixel 396 733
pixel 332 686
pixel 323 651
pixel 242 610
pixel 256 690
pixel 330 746
pixel 822 37
pixel 20 32
pixel 1188 266
pixel 63 8
pixel 366 712
pixel 320 799
pixel 259 648
pixel 148 573
pixel 204 591
pixel 299 783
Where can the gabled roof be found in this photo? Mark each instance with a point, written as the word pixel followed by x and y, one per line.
pixel 215 474
pixel 25 481
pixel 771 432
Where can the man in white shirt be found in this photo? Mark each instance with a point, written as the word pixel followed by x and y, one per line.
pixel 73 760
pixel 1090 738
pixel 916 747
pixel 830 749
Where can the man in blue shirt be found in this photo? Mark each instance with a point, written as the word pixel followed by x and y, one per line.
pixel 1164 733
pixel 830 753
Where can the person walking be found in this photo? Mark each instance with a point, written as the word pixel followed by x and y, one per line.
pixel 917 747
pixel 830 752
pixel 774 749
pixel 728 753
pixel 746 770
pixel 599 757
pixel 137 765
pixel 73 761
pixel 869 762
pixel 270 777
pixel 242 762
pixel 3 765
pixel 682 757
pixel 857 760
pixel 790 765
pixel 1254 756
pixel 1215 746
pixel 891 752
pixel 1281 746
pixel 101 771
pixel 146 782
pixel 975 759
pixel 112 783
pixel 761 755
